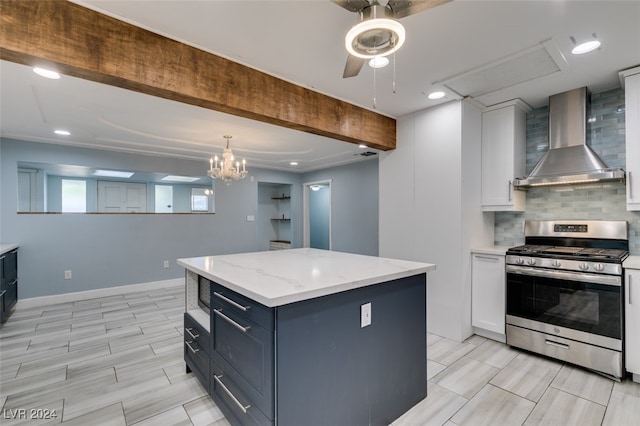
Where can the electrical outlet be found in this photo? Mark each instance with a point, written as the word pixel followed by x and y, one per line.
pixel 166 264
pixel 365 315
pixel 67 274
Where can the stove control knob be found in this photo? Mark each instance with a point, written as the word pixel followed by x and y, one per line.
pixel 583 266
pixel 556 263
pixel 598 267
pixel 531 261
pixel 519 260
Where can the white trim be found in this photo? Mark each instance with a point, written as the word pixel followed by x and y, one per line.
pixel 32 302
pixel 306 240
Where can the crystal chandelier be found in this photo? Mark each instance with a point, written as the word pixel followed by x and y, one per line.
pixel 227 170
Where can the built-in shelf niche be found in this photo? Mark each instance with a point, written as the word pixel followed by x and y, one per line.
pixel 274 215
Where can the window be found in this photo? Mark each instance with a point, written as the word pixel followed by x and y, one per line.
pixel 200 199
pixel 74 196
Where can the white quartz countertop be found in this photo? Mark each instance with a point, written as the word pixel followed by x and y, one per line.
pixel 279 277
pixel 4 248
pixel 631 262
pixel 495 250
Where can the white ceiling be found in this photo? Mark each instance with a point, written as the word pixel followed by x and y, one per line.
pixel 302 42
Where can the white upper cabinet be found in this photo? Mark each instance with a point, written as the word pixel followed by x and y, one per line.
pixel 503 155
pixel 632 123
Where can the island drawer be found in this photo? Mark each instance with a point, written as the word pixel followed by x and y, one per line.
pixel 234 403
pixel 196 333
pixel 245 351
pixel 196 349
pixel 243 306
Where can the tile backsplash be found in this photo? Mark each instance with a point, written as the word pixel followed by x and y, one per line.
pixel 599 201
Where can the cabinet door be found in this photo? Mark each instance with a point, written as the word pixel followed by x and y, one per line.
pixel 488 292
pixel 503 158
pixel 2 310
pixel 632 123
pixel 632 321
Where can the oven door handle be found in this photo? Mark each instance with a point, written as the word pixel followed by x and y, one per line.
pixel 612 280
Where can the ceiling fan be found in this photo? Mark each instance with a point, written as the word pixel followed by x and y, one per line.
pixel 378 32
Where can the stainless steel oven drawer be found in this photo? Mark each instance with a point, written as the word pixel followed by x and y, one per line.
pixel 589 356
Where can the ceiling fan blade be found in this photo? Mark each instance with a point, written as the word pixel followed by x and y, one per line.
pixel 353 66
pixel 402 8
pixel 352 5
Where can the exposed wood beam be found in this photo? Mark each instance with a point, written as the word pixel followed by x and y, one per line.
pixel 84 43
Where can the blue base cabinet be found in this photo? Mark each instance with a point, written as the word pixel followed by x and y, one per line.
pixel 311 363
pixel 8 283
pixel 197 349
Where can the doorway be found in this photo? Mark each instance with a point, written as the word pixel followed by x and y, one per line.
pixel 317 214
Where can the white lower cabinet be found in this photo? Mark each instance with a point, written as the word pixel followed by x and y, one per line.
pixel 632 323
pixel 488 293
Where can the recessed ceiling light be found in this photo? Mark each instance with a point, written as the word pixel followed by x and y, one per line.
pixel 315 187
pixel 379 62
pixel 586 46
pixel 436 95
pixel 43 72
pixel 62 132
pixel 113 173
pixel 294 163
pixel 172 178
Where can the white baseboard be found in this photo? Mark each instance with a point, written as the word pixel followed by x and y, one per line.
pixel 490 335
pixel 100 292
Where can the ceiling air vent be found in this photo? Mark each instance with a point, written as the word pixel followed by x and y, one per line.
pixel 520 67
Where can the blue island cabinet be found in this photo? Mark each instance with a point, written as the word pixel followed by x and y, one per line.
pixel 8 283
pixel 311 363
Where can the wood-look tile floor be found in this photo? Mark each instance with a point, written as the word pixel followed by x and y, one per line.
pixel 118 360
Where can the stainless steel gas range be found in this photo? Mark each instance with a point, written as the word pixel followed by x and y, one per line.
pixel 564 292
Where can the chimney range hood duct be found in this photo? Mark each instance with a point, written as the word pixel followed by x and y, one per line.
pixel 569 159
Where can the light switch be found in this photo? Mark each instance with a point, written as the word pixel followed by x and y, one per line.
pixel 365 315
pixel 251 218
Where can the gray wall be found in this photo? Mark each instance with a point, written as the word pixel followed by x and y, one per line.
pixel 106 250
pixel 599 201
pixel 354 205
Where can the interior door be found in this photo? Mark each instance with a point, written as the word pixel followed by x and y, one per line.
pixel 122 197
pixel 317 215
pixel 164 199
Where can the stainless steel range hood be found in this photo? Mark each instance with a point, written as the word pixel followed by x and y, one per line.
pixel 569 159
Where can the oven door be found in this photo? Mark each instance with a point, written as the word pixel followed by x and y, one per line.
pixel 589 303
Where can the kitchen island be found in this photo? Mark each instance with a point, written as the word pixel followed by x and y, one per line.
pixel 307 336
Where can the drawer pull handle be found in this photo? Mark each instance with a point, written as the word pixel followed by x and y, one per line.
pixel 188 343
pixel 479 256
pixel 230 321
pixel 244 408
pixel 231 302
pixel 193 336
pixel 556 344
